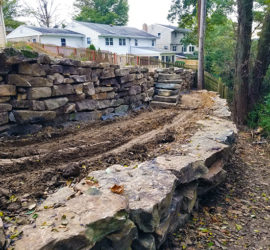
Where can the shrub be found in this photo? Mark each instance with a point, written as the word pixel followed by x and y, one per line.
pixel 260 116
pixel 92 47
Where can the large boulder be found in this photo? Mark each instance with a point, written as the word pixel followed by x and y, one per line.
pixel 55 103
pixel 37 93
pixel 61 90
pixel 2 235
pixel 7 90
pixel 149 191
pixel 3 118
pixel 83 221
pixel 27 116
pixel 34 69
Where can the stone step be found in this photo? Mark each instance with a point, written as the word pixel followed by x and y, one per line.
pixel 167 86
pixel 169 77
pixel 156 104
pixel 170 99
pixel 166 92
pixel 179 81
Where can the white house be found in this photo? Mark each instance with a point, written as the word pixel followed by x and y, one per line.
pixel 59 37
pixel 170 37
pixel 120 39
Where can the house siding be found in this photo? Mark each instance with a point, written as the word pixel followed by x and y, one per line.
pixel 25 34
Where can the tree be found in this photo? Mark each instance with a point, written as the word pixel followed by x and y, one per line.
pixel 241 84
pixel 45 13
pixel 103 11
pixel 262 62
pixel 11 12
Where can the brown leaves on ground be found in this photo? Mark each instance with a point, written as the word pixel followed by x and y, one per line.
pixel 117 189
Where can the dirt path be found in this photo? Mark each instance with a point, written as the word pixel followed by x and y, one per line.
pixel 32 167
pixel 237 214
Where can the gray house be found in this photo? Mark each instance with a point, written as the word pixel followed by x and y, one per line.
pixel 169 38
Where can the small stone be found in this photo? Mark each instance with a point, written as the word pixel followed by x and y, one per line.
pixel 2 235
pixel 88 88
pixel 32 206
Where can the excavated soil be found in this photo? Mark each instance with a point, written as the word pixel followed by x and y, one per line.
pixel 31 167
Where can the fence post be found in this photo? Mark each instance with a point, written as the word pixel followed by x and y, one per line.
pixel 58 52
pixel 114 55
pixel 138 63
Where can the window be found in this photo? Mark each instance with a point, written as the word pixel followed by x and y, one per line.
pixel 34 40
pixel 174 48
pixel 153 42
pixel 184 48
pixel 63 42
pixel 159 35
pixel 166 47
pixel 108 41
pixel 136 42
pixel 122 41
pixel 88 39
pixel 163 58
pixel 191 48
pixel 175 34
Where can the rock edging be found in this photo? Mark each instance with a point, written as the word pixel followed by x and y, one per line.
pixel 158 197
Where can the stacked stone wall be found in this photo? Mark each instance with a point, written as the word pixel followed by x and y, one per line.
pixel 40 90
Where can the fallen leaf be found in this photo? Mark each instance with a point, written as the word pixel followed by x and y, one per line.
pixel 238 227
pixel 117 189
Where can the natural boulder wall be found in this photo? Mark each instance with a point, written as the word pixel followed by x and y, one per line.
pixel 27 116
pixel 84 220
pixel 149 191
pixel 4 107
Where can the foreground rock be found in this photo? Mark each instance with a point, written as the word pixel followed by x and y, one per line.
pixel 84 220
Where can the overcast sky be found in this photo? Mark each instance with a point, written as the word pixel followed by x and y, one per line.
pixel 140 11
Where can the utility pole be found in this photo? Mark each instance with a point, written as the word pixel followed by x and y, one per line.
pixel 3 39
pixel 202 16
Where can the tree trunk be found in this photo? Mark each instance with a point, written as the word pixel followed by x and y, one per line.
pixel 262 62
pixel 2 27
pixel 241 84
pixel 201 44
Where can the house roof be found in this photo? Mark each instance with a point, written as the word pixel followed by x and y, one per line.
pixel 175 28
pixel 119 31
pixel 53 31
pixel 149 51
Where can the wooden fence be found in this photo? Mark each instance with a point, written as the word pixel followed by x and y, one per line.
pixel 216 85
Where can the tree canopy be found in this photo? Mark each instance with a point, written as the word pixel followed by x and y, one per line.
pixel 103 11
pixel 11 12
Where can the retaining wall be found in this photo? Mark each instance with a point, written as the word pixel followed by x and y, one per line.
pixel 34 89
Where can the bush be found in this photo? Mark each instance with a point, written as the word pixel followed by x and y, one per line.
pixel 92 47
pixel 260 116
pixel 180 64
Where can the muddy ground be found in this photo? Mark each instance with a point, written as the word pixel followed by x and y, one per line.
pixel 34 166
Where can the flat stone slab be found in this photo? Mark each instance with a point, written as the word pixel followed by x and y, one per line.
pixel 170 99
pixel 156 104
pixel 84 220
pixel 167 86
pixel 166 92
pixel 149 191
